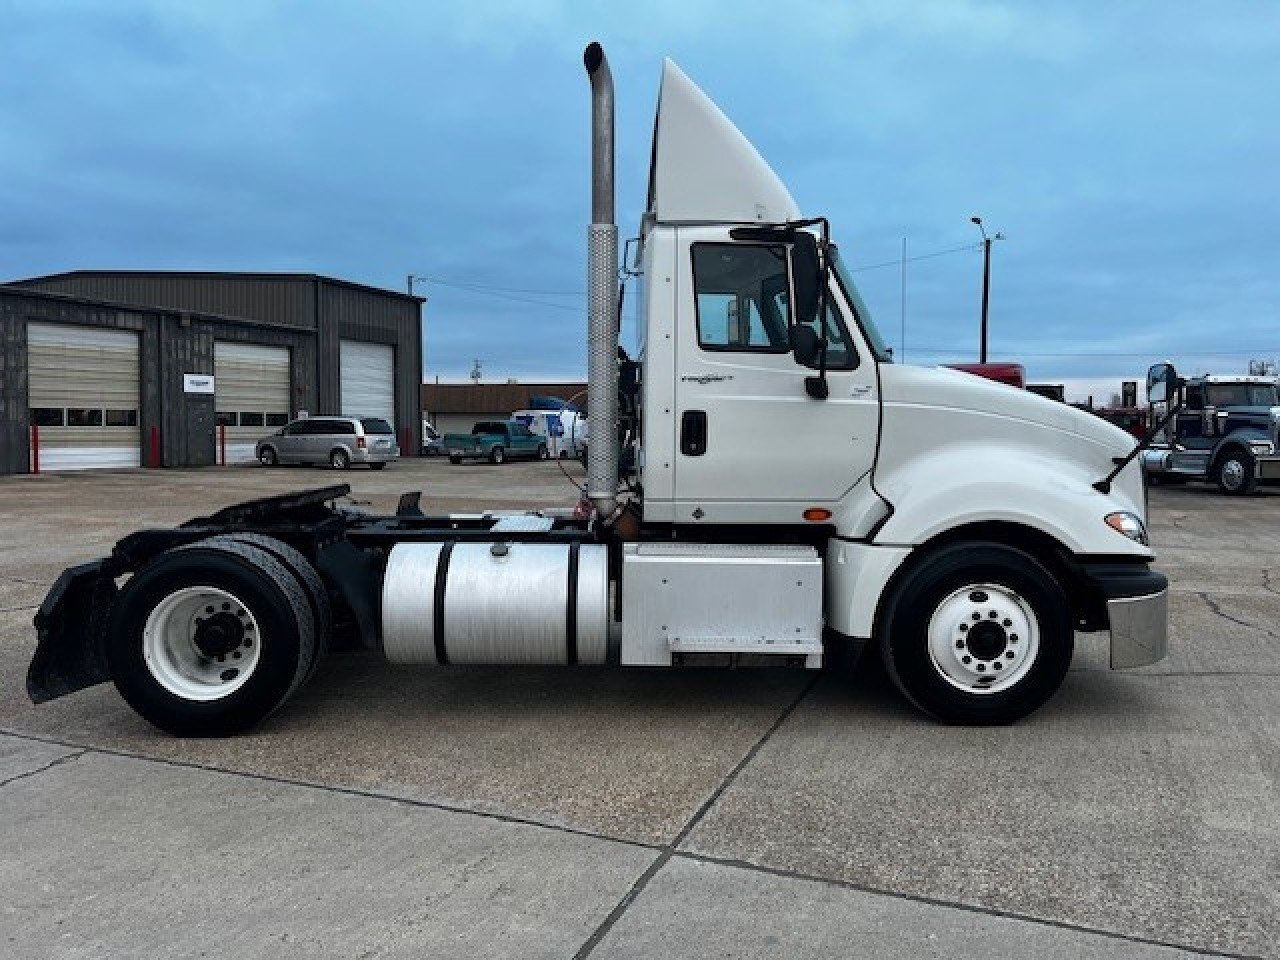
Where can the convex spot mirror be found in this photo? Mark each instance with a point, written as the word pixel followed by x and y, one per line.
pixel 1162 382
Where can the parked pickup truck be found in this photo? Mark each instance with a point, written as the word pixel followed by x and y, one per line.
pixel 496 441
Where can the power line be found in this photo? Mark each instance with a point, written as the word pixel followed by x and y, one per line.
pixel 1192 352
pixel 485 289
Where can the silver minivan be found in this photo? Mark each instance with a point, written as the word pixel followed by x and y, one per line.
pixel 337 441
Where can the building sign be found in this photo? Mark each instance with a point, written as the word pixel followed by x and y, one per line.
pixel 197 383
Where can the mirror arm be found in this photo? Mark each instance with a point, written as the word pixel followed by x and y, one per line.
pixel 1104 485
pixel 817 387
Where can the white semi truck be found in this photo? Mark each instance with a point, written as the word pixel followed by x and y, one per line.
pixel 964 529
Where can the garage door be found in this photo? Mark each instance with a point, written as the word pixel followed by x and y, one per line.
pixel 83 395
pixel 251 390
pixel 368 380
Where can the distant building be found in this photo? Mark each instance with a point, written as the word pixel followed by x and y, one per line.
pixel 127 368
pixel 454 407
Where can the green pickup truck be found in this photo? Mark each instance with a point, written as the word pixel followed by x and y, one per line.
pixel 496 441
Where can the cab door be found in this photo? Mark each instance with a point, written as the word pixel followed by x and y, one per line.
pixel 752 445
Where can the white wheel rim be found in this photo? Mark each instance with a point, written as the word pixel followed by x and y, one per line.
pixel 182 634
pixel 1232 474
pixel 983 638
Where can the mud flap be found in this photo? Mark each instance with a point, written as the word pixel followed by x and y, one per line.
pixel 69 624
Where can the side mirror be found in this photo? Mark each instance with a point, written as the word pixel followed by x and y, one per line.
pixel 807 275
pixel 806 344
pixel 1162 382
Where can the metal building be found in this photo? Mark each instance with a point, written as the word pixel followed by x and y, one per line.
pixel 122 368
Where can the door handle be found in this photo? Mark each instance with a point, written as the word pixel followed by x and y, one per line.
pixel 693 433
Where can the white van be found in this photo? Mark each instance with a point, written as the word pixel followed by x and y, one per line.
pixel 565 430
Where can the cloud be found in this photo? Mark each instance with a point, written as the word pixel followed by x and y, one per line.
pixel 1125 151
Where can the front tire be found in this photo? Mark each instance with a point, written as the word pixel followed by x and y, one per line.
pixel 210 639
pixel 977 633
pixel 267 457
pixel 543 453
pixel 377 466
pixel 455 460
pixel 339 460
pixel 497 455
pixel 1234 474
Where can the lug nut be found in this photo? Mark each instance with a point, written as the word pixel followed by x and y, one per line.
pixel 1007 622
pixel 997 666
pixel 982 667
pixel 966 659
pixel 1009 655
pixel 964 627
pixel 977 616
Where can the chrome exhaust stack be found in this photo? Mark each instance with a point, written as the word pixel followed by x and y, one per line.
pixel 602 294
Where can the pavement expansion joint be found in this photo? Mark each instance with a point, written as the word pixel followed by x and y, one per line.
pixel 955 905
pixel 324 787
pixel 670 849
pixel 48 766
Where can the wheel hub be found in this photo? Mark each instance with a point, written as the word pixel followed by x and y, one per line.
pixel 219 634
pixel 986 640
pixel 983 638
pixel 201 643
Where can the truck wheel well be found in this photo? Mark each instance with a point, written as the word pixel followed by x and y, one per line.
pixel 1050 553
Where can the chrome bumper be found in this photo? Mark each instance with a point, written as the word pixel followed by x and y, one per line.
pixel 1139 629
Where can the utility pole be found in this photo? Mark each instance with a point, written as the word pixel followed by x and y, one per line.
pixel 902 306
pixel 986 281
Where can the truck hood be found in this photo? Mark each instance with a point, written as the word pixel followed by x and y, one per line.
pixel 956 390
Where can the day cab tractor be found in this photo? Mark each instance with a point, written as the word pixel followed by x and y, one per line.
pixel 962 529
pixel 1221 428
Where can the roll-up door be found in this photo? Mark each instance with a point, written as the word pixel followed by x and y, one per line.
pixel 368 380
pixel 83 395
pixel 251 390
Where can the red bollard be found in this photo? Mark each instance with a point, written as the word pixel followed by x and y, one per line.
pixel 35 448
pixel 155 446
pixel 222 444
pixel 404 442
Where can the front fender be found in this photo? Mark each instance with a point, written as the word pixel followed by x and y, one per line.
pixel 974 482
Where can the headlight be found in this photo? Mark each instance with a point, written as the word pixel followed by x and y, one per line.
pixel 1128 524
pixel 1261 448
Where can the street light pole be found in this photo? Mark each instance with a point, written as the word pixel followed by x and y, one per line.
pixel 986 282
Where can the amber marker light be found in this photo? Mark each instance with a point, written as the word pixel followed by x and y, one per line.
pixel 817 514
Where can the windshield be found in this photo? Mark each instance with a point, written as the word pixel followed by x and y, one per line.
pixel 1242 395
pixel 878 346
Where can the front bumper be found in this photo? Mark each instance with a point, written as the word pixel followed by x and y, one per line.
pixel 1136 601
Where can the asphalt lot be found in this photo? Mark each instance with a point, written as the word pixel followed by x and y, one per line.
pixel 389 812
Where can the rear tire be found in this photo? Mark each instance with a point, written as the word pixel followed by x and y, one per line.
pixel 1234 474
pixel 977 633
pixel 377 466
pixel 455 460
pixel 543 452
pixel 497 455
pixel 210 639
pixel 306 574
pixel 268 457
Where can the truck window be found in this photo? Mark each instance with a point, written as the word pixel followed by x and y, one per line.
pixel 1241 394
pixel 741 297
pixel 489 429
pixel 376 425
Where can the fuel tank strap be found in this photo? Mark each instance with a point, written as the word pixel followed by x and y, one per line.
pixel 571 607
pixel 437 608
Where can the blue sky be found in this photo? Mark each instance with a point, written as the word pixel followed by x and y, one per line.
pixel 1129 151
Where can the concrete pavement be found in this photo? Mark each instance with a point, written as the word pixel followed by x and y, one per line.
pixel 389 812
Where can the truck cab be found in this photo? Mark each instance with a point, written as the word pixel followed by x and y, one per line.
pixel 1225 429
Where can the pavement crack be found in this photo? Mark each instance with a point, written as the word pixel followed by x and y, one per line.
pixel 667 851
pixel 1266 582
pixel 1213 606
pixel 26 606
pixel 67 758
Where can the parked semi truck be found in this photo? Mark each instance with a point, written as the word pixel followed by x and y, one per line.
pixel 962 529
pixel 1224 429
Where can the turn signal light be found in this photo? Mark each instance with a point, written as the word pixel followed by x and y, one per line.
pixel 817 514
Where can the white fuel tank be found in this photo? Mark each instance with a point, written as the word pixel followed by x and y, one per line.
pixel 496 603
